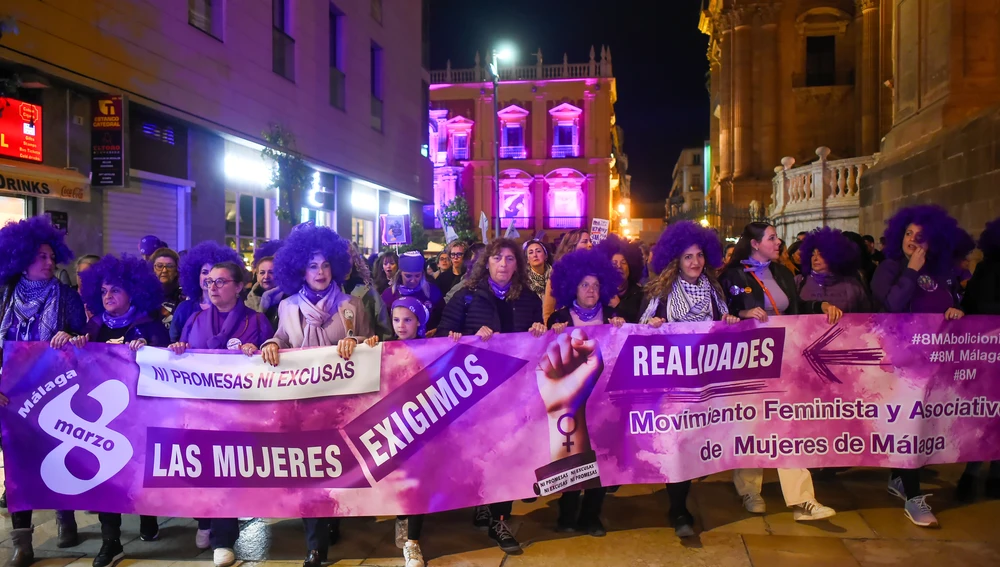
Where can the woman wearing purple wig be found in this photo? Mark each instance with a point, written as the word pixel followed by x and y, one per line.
pixel 310 268
pixel 122 293
pixel 918 276
pixel 583 284
pixel 830 264
pixel 35 306
pixel 195 266
pixel 627 259
pixel 982 297
pixel 685 289
pixel 758 288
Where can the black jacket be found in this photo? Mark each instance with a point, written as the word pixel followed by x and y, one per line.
pixel 563 316
pixel 742 301
pixel 630 303
pixel 982 293
pixel 470 310
pixel 144 327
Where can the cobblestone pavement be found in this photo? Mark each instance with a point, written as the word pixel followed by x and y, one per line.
pixel 869 530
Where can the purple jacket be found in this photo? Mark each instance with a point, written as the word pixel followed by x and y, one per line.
pixel 203 330
pixel 898 289
pixel 846 293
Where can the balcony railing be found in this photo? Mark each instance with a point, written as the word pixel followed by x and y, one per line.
pixel 460 153
pixel 569 151
pixel 813 195
pixel 513 152
pixel 376 113
pixel 595 68
pixel 564 222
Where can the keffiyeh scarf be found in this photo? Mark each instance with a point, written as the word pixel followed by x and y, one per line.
pixel 689 303
pixel 35 306
pixel 537 281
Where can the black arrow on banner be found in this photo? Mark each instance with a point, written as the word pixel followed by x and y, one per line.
pixel 821 358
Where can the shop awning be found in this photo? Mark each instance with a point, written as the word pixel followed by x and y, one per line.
pixel 44 181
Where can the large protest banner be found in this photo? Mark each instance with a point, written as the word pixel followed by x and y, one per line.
pixel 438 425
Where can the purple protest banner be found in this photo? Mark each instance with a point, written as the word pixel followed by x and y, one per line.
pixel 459 425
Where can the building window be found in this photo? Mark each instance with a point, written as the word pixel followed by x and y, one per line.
pixel 566 131
pixel 206 15
pixel 337 84
pixel 376 73
pixel 516 199
pixel 696 159
pixel 363 234
pixel 425 111
pixel 821 60
pixel 512 137
pixel 249 223
pixel 377 11
pixel 282 44
pixel 565 199
pixel 460 145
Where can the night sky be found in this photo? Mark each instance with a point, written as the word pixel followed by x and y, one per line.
pixel 658 57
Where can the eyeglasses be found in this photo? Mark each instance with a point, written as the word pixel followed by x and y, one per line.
pixel 162 267
pixel 209 283
pixel 457 254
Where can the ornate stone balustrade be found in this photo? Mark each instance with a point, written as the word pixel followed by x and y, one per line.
pixel 595 68
pixel 822 193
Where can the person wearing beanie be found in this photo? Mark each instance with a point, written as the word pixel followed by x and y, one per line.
pixel 36 306
pixel 150 244
pixel 195 267
pixel 124 295
pixel 410 280
pixel 165 263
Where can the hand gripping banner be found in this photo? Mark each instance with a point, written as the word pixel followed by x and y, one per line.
pixel 431 425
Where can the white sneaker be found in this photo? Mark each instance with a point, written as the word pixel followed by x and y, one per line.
pixel 754 503
pixel 412 554
pixel 919 512
pixel 402 528
pixel 203 539
pixel 811 510
pixel 223 557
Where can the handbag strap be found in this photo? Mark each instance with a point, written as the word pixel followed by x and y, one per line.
pixel 768 293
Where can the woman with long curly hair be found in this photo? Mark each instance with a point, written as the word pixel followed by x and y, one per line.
pixel 36 306
pixel 121 293
pixel 385 269
pixel 195 266
pixel 627 259
pixel 760 287
pixel 574 240
pixel 496 299
pixel 982 297
pixel 918 276
pixel 317 312
pixel 584 282
pixel 830 264
pixel 685 289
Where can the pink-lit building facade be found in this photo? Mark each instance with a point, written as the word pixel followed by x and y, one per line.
pixel 557 170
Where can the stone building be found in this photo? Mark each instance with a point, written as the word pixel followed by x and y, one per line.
pixel 561 163
pixel 687 192
pixel 944 143
pixel 198 84
pixel 794 82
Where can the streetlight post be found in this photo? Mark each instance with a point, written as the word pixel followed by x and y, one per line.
pixel 502 54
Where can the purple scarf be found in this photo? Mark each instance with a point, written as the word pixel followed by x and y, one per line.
pixel 119 322
pixel 315 296
pixel 499 290
pixel 584 314
pixel 224 325
pixel 822 279
pixel 757 267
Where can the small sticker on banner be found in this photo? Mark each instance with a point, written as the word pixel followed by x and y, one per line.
pixel 234 344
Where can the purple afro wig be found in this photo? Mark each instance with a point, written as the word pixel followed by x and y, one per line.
pixel 570 270
pixel 841 255
pixel 614 244
pixel 291 260
pixel 964 245
pixel 20 242
pixel 938 229
pixel 680 236
pixel 131 273
pixel 989 240
pixel 267 249
pixel 207 252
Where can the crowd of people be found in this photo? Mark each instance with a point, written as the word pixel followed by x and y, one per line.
pixel 317 289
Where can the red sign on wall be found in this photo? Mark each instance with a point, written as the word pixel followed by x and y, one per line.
pixel 21 130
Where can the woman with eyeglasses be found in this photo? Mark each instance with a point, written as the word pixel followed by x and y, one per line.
pixel 36 306
pixel 122 293
pixel 450 278
pixel 165 262
pixel 918 276
pixel 573 240
pixel 759 287
pixel 227 324
pixel 310 268
pixel 496 299
pixel 539 268
pixel 194 270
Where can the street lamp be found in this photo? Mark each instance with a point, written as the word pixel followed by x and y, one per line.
pixel 504 53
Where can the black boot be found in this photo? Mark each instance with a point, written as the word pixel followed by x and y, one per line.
pixel 149 529
pixel 23 555
pixel 590 512
pixel 110 554
pixel 67 536
pixel 3 500
pixel 569 512
pixel 993 487
pixel 334 531
pixel 965 491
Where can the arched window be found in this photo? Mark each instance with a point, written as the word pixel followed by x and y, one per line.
pixel 516 199
pixel 564 199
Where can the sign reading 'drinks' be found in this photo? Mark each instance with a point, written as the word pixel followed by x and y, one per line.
pixel 107 142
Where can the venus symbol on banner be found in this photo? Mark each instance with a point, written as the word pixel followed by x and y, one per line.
pixel 112 449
